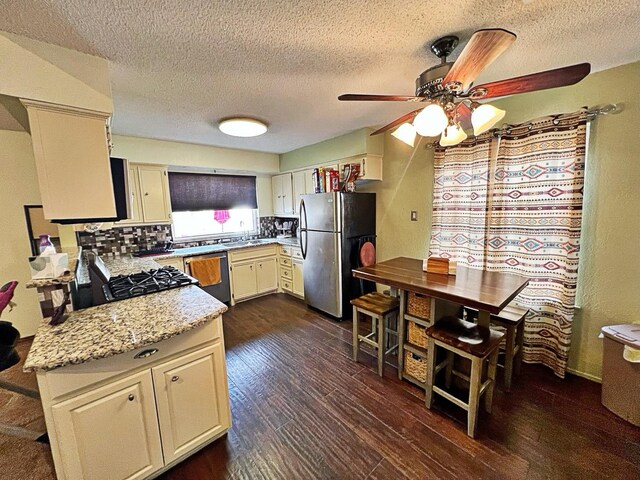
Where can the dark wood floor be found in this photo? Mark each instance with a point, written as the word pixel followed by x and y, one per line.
pixel 302 409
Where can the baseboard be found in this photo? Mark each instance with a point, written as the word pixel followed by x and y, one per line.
pixel 588 376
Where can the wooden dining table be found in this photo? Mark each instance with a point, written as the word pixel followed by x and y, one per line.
pixel 487 292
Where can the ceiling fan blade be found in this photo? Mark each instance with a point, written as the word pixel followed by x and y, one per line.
pixel 363 97
pixel 464 116
pixel 398 121
pixel 560 77
pixel 481 50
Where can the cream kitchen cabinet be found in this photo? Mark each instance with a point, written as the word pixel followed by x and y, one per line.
pixel 136 414
pixel 298 278
pixel 370 166
pixel 111 432
pixel 149 187
pixel 299 188
pixel 282 188
pixel 171 262
pixel 191 394
pixel 254 271
pixel 71 153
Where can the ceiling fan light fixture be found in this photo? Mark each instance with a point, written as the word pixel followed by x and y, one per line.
pixel 452 135
pixel 242 127
pixel 431 121
pixel 405 133
pixel 484 117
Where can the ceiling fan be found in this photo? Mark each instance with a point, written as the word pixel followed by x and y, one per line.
pixel 453 103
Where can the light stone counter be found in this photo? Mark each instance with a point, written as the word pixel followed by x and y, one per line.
pixel 119 327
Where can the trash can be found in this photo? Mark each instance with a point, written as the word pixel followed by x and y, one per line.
pixel 621 371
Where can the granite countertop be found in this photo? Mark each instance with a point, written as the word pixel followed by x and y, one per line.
pixel 224 247
pixel 74 255
pixel 119 327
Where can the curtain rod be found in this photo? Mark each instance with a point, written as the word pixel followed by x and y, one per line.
pixel 592 113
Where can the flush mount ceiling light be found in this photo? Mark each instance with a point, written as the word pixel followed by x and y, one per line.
pixel 451 98
pixel 242 127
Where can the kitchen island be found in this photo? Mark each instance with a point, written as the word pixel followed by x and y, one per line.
pixel 130 388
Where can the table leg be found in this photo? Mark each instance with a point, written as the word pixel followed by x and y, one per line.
pixel 401 312
pixel 484 318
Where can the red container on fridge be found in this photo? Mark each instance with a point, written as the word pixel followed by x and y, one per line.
pixel 334 181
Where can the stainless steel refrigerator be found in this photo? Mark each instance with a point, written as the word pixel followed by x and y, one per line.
pixel 333 228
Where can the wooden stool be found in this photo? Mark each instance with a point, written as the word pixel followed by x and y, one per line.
pixel 511 318
pixel 381 308
pixel 450 333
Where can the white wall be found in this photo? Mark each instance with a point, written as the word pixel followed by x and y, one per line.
pixel 18 187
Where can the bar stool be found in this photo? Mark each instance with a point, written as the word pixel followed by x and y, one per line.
pixel 511 318
pixel 381 309
pixel 468 340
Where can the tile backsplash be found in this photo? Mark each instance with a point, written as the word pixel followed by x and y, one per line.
pixel 124 240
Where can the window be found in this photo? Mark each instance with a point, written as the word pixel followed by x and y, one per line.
pixel 209 223
pixel 206 205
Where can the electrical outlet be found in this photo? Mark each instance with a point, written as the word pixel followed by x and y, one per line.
pixel 414 216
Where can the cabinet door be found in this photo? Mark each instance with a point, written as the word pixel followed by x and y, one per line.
pixel 299 188
pixel 298 278
pixel 171 262
pixel 154 193
pixel 308 179
pixel 134 198
pixel 276 186
pixel 193 400
pixel 287 193
pixel 243 280
pixel 72 161
pixel 110 433
pixel 267 275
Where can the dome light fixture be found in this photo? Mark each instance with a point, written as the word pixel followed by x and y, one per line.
pixel 242 127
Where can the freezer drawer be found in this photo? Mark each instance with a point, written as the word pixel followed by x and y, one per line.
pixel 322 267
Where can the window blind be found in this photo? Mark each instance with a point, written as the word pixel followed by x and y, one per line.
pixel 197 191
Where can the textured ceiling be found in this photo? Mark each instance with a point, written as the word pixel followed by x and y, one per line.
pixel 179 66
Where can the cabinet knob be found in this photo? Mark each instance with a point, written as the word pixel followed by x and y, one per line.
pixel 131 397
pixel 250 267
pixel 146 194
pixel 175 378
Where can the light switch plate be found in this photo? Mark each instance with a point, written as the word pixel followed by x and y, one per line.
pixel 414 216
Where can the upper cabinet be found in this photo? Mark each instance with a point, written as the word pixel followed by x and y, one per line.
pixel 72 161
pixel 370 166
pixel 300 186
pixel 282 188
pixel 149 190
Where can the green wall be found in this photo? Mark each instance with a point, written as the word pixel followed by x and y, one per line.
pixel 347 145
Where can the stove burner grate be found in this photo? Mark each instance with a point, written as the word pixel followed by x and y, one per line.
pixel 126 286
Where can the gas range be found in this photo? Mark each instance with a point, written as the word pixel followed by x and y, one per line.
pixel 107 288
pixel 122 287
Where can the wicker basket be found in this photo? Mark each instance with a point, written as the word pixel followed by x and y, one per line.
pixel 417 334
pixel 415 366
pixel 419 305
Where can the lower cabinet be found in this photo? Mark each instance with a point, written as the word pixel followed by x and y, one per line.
pixel 136 426
pixel 171 262
pixel 191 399
pixel 254 271
pixel 111 432
pixel 298 278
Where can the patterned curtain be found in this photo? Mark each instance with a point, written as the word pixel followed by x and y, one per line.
pixel 534 227
pixel 461 179
pixel 528 222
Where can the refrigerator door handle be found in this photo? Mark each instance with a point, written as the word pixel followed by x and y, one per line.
pixel 303 229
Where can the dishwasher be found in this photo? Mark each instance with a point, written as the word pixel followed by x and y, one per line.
pixel 221 290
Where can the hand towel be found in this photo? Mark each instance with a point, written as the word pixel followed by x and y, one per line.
pixel 206 271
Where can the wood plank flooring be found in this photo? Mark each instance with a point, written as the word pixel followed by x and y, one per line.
pixel 303 409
